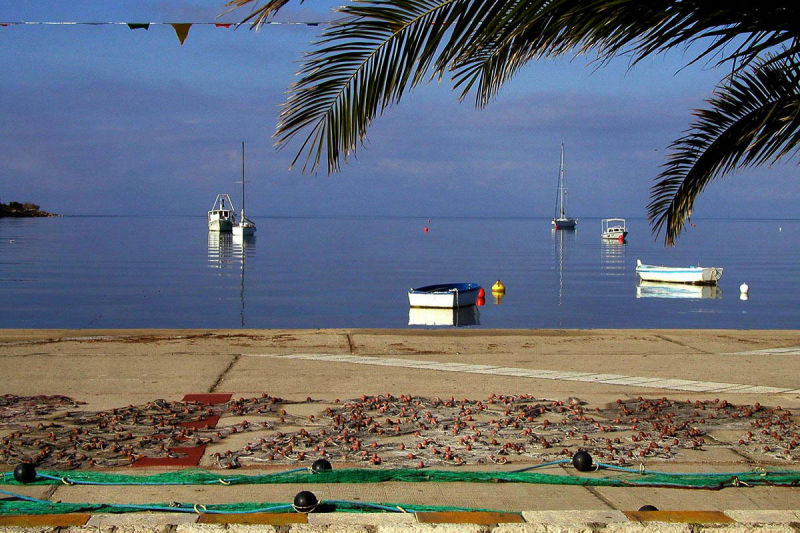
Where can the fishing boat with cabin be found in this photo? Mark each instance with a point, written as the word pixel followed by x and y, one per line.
pixel 220 216
pixel 613 229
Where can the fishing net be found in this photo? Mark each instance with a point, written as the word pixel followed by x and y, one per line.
pixel 622 477
pixel 402 431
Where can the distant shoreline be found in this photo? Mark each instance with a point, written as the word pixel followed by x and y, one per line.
pixel 18 210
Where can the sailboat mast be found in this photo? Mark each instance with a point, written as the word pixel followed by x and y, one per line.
pixel 561 188
pixel 242 179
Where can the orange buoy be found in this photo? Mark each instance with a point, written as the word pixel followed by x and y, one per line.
pixel 481 293
pixel 480 301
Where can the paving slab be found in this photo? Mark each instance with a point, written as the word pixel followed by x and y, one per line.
pixel 273 519
pixel 370 519
pixel 762 516
pixel 145 519
pixel 573 519
pixel 45 520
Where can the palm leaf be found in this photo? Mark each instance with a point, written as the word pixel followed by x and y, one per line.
pixel 367 59
pixel 259 14
pixel 380 48
pixel 753 120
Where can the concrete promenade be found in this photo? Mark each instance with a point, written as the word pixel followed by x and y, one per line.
pixel 734 393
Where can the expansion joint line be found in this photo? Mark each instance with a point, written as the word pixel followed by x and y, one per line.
pixel 224 373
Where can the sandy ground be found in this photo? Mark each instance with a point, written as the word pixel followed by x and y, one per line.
pixel 672 400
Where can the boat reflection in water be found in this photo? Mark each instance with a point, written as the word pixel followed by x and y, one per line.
pixel 655 289
pixel 220 249
pixel 227 251
pixel 612 257
pixel 431 316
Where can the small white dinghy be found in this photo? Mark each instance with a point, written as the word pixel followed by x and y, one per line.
pixel 446 295
pixel 693 274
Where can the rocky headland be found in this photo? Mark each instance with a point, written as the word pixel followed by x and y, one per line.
pixel 27 209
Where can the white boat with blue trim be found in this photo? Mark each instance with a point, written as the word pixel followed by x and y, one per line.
pixel 444 295
pixel 692 274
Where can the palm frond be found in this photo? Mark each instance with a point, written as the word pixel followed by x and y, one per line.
pixel 366 60
pixel 258 14
pixel 380 48
pixel 609 28
pixel 363 62
pixel 753 120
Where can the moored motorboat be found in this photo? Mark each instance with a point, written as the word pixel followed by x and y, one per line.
pixel 444 295
pixel 220 216
pixel 691 274
pixel 613 229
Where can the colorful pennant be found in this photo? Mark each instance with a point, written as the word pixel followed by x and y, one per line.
pixel 181 30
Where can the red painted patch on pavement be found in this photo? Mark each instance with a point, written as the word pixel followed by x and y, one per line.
pixel 190 456
pixel 205 423
pixel 207 399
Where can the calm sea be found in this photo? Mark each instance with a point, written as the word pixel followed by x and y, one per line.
pixel 138 272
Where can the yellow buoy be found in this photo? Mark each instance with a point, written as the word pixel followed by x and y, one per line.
pixel 498 287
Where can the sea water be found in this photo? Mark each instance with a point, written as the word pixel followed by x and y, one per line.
pixel 136 272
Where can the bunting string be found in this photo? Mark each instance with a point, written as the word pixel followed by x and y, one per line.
pixel 181 28
pixel 118 23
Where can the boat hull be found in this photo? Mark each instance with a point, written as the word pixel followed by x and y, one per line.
pixel 456 316
pixel 614 235
pixel 220 224
pixel 693 275
pixel 564 223
pixel 445 295
pixel 245 230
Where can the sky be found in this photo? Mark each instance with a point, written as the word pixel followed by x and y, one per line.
pixel 105 120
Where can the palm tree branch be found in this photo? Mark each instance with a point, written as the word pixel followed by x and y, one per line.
pixel 753 120
pixel 361 65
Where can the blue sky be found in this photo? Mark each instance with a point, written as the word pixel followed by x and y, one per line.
pixel 108 120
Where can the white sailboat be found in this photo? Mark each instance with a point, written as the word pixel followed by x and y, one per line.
pixel 560 219
pixel 244 227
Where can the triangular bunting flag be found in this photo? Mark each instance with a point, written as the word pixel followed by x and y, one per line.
pixel 181 30
pixel 139 25
pixel 222 24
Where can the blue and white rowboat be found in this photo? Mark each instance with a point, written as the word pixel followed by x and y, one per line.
pixel 444 295
pixel 696 275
